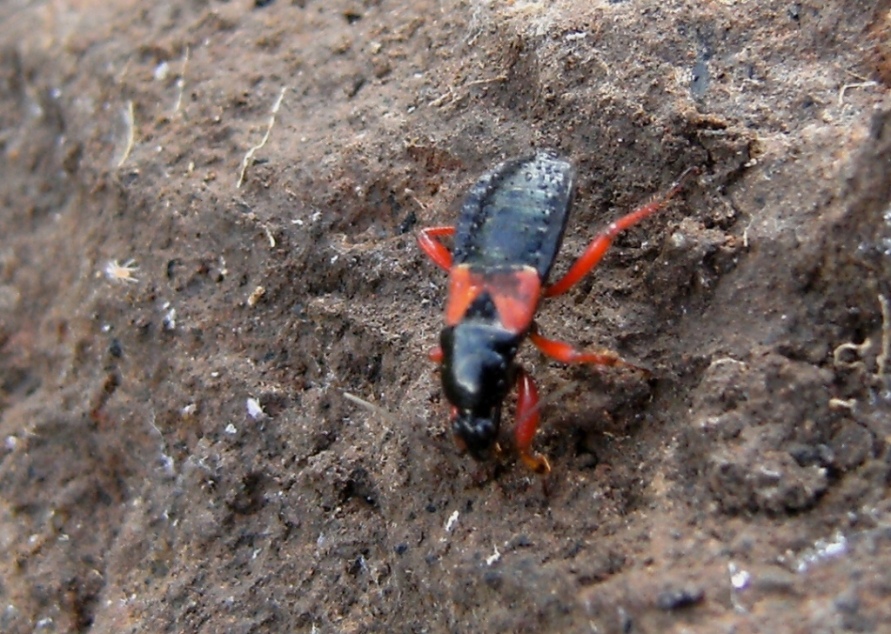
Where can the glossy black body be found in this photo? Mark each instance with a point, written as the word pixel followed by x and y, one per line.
pixel 513 217
pixel 516 214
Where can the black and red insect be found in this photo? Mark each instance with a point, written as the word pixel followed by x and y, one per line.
pixel 507 238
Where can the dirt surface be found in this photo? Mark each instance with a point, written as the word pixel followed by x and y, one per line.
pixel 184 314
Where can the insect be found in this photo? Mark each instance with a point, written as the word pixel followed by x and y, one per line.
pixel 508 235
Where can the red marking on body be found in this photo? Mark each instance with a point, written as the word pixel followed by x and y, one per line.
pixel 515 293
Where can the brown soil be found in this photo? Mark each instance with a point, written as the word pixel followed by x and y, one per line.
pixel 743 489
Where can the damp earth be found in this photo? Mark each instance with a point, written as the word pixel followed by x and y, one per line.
pixel 217 413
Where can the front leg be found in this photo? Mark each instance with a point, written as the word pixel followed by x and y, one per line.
pixel 527 424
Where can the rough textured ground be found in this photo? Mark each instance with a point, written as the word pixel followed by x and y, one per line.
pixel 743 489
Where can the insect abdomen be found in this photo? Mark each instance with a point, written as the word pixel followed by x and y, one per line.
pixel 515 214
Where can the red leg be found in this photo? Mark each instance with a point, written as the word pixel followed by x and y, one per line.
pixel 565 353
pixel 601 243
pixel 435 355
pixel 527 424
pixel 436 250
